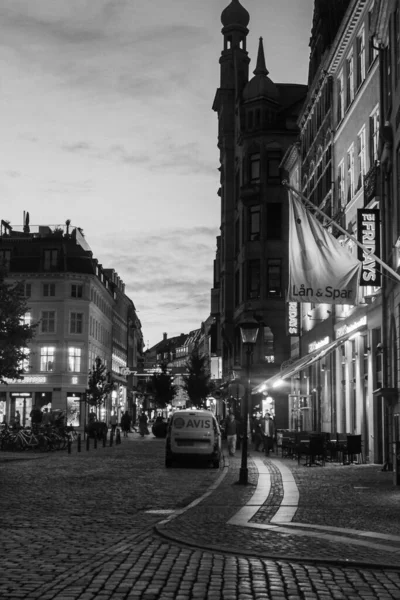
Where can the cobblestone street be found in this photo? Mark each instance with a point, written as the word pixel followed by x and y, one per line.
pixel 113 523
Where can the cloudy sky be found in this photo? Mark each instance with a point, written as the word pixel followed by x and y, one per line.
pixel 106 120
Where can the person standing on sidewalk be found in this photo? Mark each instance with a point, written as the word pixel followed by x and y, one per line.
pixel 268 433
pixel 113 422
pixel 143 424
pixel 231 433
pixel 126 423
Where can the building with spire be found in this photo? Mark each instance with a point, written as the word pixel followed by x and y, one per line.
pixel 257 122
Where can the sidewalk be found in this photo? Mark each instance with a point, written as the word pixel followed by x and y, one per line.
pixel 346 515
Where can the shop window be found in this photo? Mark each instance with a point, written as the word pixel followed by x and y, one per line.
pixel 253 279
pixel 74 359
pixel 49 289
pixel 76 291
pixel 47 354
pixel 274 278
pixel 48 321
pixel 76 323
pixel 254 223
pixel 50 259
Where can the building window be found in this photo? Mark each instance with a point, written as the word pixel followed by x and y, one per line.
pixel 47 358
pixel 27 290
pixel 373 136
pixel 254 279
pixel 48 321
pixel 349 80
pixel 350 173
pixel 237 288
pixel 340 184
pixel 340 97
pixel 269 353
pixel 361 158
pixel 76 291
pixel 25 363
pixel 74 359
pixel 274 221
pixel 49 289
pixel 274 277
pixel 50 259
pixel 254 223
pixel 360 58
pixel 255 168
pixel 273 170
pixel 76 323
pixel 26 319
pixel 373 50
pixel 5 259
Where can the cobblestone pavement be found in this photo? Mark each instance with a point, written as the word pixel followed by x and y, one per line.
pixel 99 525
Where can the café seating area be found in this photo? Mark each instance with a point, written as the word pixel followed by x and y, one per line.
pixel 316 448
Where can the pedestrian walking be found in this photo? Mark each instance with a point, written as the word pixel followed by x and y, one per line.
pixel 268 433
pixel 113 422
pixel 257 432
pixel 143 424
pixel 126 423
pixel 231 433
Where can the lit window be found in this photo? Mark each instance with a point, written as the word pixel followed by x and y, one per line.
pixel 48 321
pixel 76 323
pixel 47 358
pixel 74 359
pixel 26 319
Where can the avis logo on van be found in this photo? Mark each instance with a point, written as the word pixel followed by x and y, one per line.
pixel 179 423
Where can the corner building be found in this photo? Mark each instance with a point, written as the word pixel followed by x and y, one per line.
pixel 257 122
pixel 83 313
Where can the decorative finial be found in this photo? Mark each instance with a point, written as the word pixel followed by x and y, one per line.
pixel 261 69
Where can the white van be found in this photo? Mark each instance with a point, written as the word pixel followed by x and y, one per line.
pixel 193 433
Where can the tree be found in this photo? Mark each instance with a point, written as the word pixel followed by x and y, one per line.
pixel 15 335
pixel 197 381
pixel 99 384
pixel 162 386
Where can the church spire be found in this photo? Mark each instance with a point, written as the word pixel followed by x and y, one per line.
pixel 261 69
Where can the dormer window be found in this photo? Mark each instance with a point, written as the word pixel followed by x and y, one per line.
pixel 50 259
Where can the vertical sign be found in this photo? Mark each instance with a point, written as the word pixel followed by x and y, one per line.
pixel 368 234
pixel 293 319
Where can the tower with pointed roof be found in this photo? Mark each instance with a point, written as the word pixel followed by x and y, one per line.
pixel 256 124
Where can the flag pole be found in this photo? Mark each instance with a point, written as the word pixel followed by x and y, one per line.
pixel 351 237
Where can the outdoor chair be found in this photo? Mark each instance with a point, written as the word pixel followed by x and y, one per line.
pixel 353 451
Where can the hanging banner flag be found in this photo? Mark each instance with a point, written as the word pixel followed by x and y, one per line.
pixel 368 230
pixel 320 269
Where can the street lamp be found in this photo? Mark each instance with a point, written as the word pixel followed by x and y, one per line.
pixel 249 332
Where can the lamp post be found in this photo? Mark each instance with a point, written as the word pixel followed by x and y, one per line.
pixel 249 332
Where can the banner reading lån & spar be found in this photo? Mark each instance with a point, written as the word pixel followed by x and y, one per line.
pixel 320 269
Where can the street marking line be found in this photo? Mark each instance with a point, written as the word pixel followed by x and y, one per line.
pixel 291 496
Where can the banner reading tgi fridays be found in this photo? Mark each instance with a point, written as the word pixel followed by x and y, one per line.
pixel 320 269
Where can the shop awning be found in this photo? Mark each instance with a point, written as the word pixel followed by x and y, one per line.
pixel 304 362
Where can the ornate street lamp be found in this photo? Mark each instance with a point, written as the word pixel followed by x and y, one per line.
pixel 249 332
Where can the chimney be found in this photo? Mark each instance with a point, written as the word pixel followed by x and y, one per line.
pixel 165 335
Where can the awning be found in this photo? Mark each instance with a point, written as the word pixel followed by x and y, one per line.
pixel 305 362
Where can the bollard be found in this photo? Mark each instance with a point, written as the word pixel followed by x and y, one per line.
pixel 95 442
pixel 87 443
pixel 118 437
pixel 111 438
pixel 104 439
pixel 69 445
pixel 79 442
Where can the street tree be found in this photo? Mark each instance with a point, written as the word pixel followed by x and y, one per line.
pixel 163 387
pixel 15 331
pixel 100 384
pixel 196 382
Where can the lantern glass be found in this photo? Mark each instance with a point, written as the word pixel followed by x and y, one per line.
pixel 249 332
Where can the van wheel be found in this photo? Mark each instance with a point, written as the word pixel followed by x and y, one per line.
pixel 168 463
pixel 216 464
